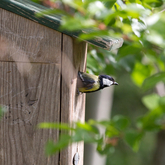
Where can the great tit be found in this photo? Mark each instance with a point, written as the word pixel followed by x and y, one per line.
pixel 90 83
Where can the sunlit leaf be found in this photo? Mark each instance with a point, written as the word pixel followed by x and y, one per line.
pixel 92 35
pixel 111 131
pixel 150 82
pixel 87 127
pixel 78 22
pixel 55 126
pixel 151 101
pixel 140 73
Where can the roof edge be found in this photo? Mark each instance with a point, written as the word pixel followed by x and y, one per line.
pixel 28 10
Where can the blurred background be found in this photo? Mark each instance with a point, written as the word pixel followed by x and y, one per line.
pixel 124 99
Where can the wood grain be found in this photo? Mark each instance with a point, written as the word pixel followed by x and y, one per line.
pixel 29 100
pixel 24 40
pixel 30 69
pixel 72 106
pixel 38 76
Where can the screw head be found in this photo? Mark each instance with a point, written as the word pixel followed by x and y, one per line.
pixel 76 158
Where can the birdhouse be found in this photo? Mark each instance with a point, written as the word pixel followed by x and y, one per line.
pixel 38 74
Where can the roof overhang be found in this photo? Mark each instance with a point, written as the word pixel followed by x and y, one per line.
pixel 28 9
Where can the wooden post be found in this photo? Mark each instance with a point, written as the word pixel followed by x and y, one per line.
pixel 38 71
pixel 72 106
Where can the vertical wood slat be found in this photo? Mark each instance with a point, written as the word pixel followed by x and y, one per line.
pixel 30 56
pixel 72 106
pixel 21 142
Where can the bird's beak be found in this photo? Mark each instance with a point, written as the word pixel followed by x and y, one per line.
pixel 115 83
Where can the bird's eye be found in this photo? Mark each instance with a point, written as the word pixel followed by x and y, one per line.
pixel 110 78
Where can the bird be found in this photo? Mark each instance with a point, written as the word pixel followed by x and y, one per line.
pixel 87 83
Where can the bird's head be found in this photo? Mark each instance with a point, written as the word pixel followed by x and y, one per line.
pixel 106 81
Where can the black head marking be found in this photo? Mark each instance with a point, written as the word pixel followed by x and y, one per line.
pixel 106 77
pixel 102 85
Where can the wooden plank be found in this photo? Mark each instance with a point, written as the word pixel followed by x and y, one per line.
pixel 30 99
pixel 72 106
pixel 24 40
pixel 30 66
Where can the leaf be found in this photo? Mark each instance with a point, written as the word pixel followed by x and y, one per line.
pixel 151 81
pixel 162 103
pixel 92 64
pixel 83 135
pixel 154 3
pixel 133 138
pixel 151 101
pixel 104 123
pixel 50 12
pixel 93 34
pixel 36 1
pixel 51 147
pixel 61 126
pixel 77 22
pixel 87 127
pixel 105 150
pixel 111 131
pixel 120 122
pixel 140 73
pixel 129 50
pixel 3 110
pixel 109 3
pixel 150 121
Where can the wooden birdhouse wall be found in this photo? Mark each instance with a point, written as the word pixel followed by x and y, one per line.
pixel 38 71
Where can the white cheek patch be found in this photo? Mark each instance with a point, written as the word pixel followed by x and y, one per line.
pixel 107 82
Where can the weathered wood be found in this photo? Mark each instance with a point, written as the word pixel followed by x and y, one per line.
pixel 30 70
pixel 72 106
pixel 38 72
pixel 26 41
pixel 29 100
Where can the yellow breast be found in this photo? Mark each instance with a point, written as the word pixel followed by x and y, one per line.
pixel 95 87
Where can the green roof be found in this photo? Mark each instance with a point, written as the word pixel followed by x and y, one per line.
pixel 28 10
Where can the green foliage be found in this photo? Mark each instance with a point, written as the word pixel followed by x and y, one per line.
pixel 151 81
pixel 52 148
pixel 89 133
pixel 151 101
pixel 154 119
pixel 133 138
pixel 2 111
pixel 120 122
